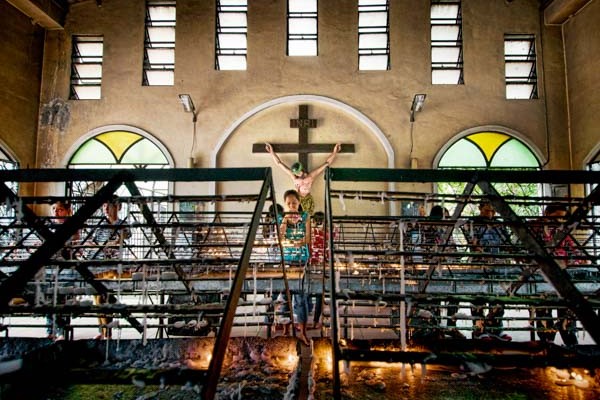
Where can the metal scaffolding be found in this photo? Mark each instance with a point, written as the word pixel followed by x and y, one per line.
pixel 184 259
pixel 431 281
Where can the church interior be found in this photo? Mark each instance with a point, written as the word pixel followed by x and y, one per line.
pixel 299 199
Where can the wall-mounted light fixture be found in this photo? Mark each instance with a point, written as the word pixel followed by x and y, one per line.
pixel 188 106
pixel 187 103
pixel 417 105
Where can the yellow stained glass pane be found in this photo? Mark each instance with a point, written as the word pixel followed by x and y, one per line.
pixel 118 141
pixel 488 142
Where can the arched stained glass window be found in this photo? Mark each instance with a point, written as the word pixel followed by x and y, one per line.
pixel 490 150
pixel 120 149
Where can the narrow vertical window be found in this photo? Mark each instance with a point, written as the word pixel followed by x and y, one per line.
pixel 231 39
pixel 302 28
pixel 446 42
pixel 373 35
pixel 159 43
pixel 520 67
pixel 86 67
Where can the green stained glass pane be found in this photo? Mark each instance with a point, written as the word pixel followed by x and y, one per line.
pixel 462 154
pixel 514 154
pixel 93 152
pixel 144 152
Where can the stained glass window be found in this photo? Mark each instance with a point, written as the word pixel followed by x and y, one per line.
pixel 491 150
pixel 119 149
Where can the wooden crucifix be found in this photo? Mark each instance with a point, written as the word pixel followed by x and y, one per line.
pixel 303 147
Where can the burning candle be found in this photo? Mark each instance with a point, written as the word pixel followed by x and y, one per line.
pixel 581 383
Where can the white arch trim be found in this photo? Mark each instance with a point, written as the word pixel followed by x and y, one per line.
pixel 591 155
pixel 373 128
pixel 108 128
pixel 366 121
pixel 489 128
pixel 9 152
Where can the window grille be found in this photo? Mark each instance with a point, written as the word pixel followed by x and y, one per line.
pixel 159 43
pixel 231 45
pixel 302 28
pixel 446 42
pixel 373 35
pixel 520 66
pixel 86 67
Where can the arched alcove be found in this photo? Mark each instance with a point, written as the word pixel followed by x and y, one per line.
pixel 270 122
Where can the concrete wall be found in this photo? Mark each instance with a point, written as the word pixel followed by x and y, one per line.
pixel 582 41
pixel 384 97
pixel 20 73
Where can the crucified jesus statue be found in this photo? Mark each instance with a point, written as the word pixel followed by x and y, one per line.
pixel 303 179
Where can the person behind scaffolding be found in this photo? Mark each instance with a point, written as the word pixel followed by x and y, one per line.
pixel 108 239
pixel 318 257
pixel 487 235
pixel 295 230
pixel 437 239
pixel 566 253
pixel 58 325
pixel 269 232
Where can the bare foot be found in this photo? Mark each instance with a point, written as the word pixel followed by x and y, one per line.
pixel 303 339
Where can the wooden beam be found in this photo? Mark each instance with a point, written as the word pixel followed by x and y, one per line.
pixel 46 13
pixel 299 148
pixel 559 11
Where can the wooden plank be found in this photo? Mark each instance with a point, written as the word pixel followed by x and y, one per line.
pixel 299 148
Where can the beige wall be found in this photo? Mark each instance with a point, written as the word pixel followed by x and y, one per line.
pixel 223 97
pixel 582 44
pixel 20 72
